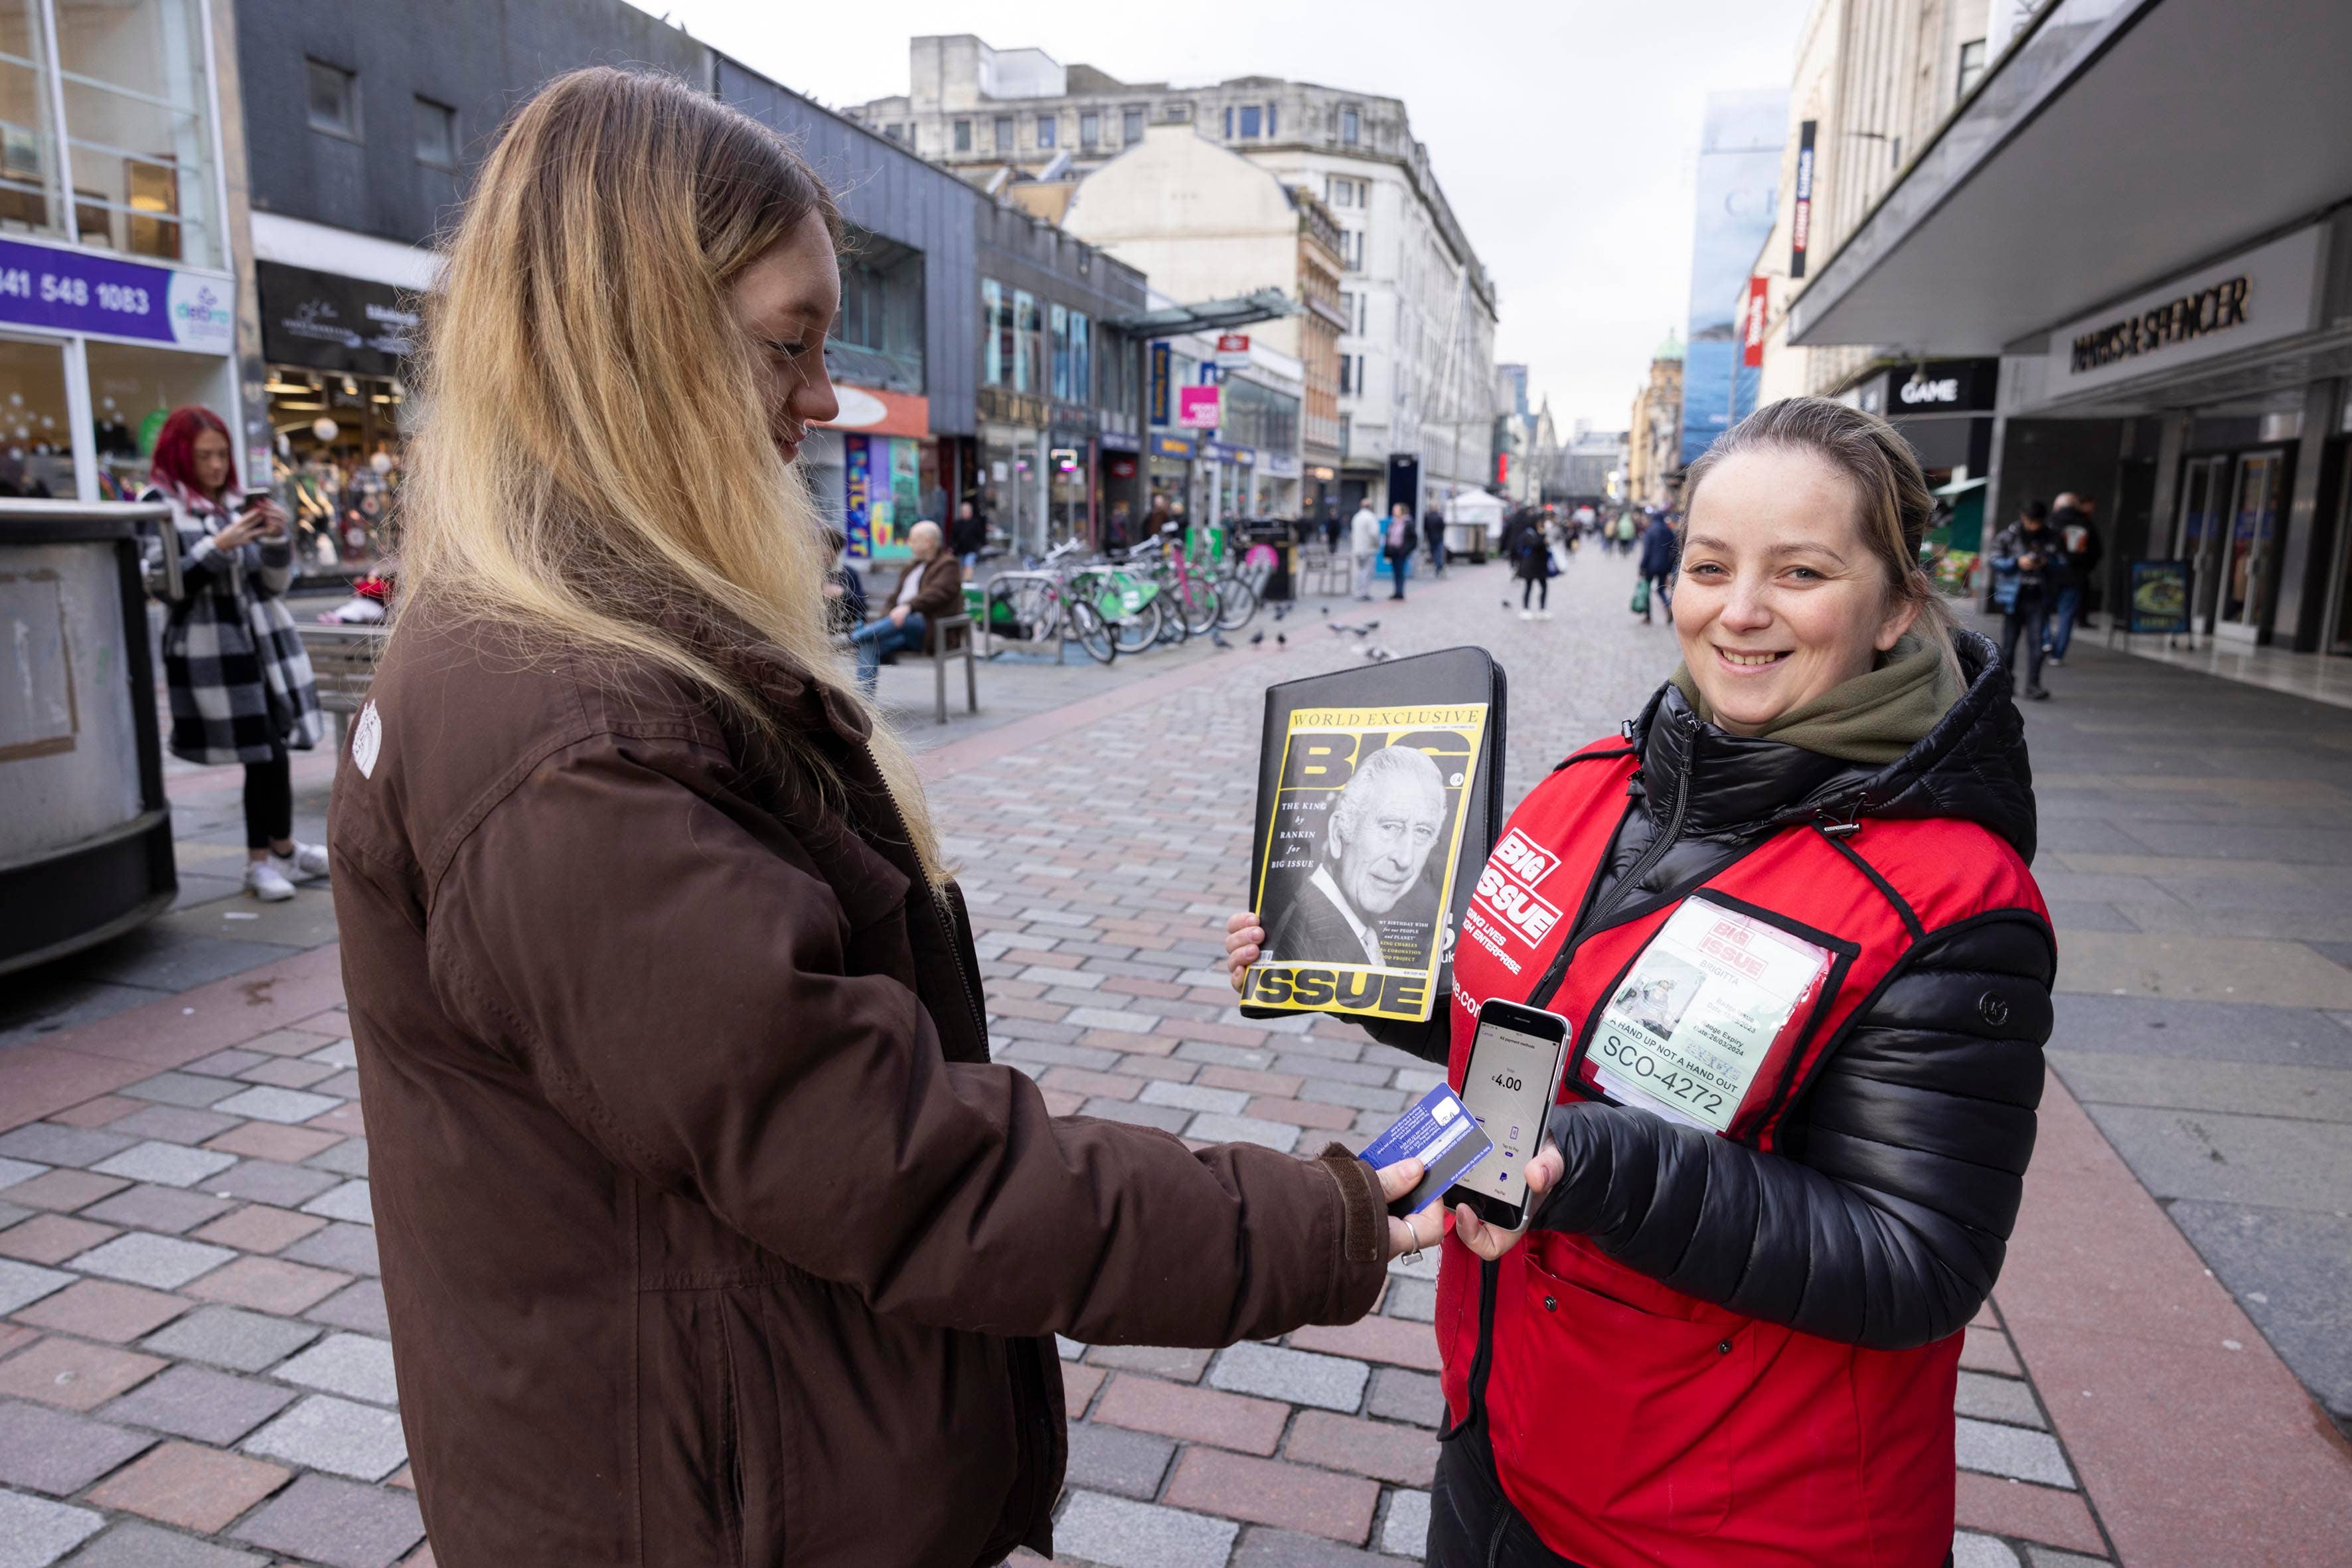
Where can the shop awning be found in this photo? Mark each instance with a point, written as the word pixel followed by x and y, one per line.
pixel 2118 143
pixel 1212 316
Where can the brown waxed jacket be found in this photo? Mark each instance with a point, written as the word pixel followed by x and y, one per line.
pixel 938 596
pixel 709 1234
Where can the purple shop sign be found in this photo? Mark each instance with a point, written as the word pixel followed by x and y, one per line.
pixel 72 291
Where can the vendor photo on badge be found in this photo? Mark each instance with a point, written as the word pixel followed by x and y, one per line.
pixel 1660 993
pixel 1368 899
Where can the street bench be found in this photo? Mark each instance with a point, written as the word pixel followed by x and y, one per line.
pixel 342 662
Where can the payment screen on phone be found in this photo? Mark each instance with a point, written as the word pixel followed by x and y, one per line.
pixel 1510 1087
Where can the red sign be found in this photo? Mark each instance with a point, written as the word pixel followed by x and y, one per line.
pixel 1752 322
pixel 871 411
pixel 1502 467
pixel 1233 343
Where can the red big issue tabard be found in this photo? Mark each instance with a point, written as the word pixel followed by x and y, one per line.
pixel 1632 1423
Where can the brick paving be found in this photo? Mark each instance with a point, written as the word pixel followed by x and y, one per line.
pixel 193 1363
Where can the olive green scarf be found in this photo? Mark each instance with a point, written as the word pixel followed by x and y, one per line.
pixel 1874 718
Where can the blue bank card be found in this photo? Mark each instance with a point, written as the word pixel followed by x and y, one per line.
pixel 1439 1131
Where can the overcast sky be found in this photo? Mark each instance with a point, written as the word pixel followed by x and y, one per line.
pixel 1564 132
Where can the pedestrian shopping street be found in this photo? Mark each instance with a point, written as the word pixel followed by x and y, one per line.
pixel 193 1364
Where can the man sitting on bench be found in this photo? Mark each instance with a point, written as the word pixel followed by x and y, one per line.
pixel 930 589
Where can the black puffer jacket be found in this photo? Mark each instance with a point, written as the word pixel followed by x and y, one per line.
pixel 1883 1221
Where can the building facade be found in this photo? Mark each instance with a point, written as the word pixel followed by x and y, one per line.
pixel 1417 357
pixel 1592 466
pixel 121 240
pixel 1206 224
pixel 1739 160
pixel 1655 438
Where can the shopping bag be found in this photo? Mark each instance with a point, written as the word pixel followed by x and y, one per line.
pixel 1641 605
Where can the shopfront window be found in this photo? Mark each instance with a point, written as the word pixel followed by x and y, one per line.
pixel 28 166
pixel 995 334
pixel 877 338
pixel 135 95
pixel 1058 332
pixel 1082 365
pixel 131 391
pixel 36 430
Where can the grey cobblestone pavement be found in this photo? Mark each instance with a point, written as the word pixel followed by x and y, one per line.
pixel 193 1361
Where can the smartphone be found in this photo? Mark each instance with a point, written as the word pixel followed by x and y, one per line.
pixel 1510 1084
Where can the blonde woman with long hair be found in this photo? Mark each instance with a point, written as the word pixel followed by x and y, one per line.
pixel 709 1233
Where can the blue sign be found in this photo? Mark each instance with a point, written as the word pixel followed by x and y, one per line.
pixel 73 291
pixel 1160 376
pixel 1245 456
pixel 1172 446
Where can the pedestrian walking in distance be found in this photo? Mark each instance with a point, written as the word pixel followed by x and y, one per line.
pixel 709 1232
pixel 240 683
pixel 1398 547
pixel 1366 539
pixel 1730 1333
pixel 2027 557
pixel 1531 559
pixel 2077 533
pixel 1433 531
pixel 1657 566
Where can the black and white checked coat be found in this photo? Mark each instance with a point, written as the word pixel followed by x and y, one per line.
pixel 240 681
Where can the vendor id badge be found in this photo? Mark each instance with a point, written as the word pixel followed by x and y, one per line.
pixel 1697 1016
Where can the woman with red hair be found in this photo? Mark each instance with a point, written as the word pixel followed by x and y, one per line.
pixel 241 686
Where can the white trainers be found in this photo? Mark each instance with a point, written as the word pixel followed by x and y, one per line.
pixel 1543 615
pixel 1526 614
pixel 308 861
pixel 264 882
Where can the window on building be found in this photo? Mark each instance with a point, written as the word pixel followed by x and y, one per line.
pixel 878 336
pixel 1363 313
pixel 1972 65
pixel 1047 126
pixel 1130 126
pixel 1229 122
pixel 1252 120
pixel 1004 135
pixel 1347 375
pixel 1057 337
pixel 334 99
pixel 1089 129
pixel 996 333
pixel 1178 113
pixel 1351 249
pixel 1269 122
pixel 963 135
pixel 896 132
pixel 436 134
pixel 1082 358
pixel 1026 349
pixel 1350 127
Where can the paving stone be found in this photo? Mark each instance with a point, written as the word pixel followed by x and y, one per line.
pixel 347 1201
pixel 269 1182
pixel 53 1452
pixel 1195 1415
pixel 134 1544
pixel 73 1374
pixel 1263 1546
pixel 1322 1065
pixel 323 1432
pixel 335 1053
pixel 1404 1532
pixel 1211 1127
pixel 186 1484
pixel 349 1248
pixel 35 1533
pixel 163 1261
pixel 1269 1491
pixel 290 1042
pixel 1970 1550
pixel 1396 1341
pixel 172 1124
pixel 1988 1349
pixel 2007 1451
pixel 21 1284
pixel 1120 1533
pixel 269 1285
pixel 190 1089
pixel 258 1227
pixel 2050 1557
pixel 64 1191
pixel 1329 1382
pixel 15 1171
pixel 104 1310
pixel 1360 1095
pixel 1183 1365
pixel 167 1210
pixel 51 1238
pixel 195 1402
pixel 47 1144
pixel 1412 1299
pixel 1992 1398
pixel 1078 1386
pixel 1113 1460
pixel 1193 1096
pixel 228 1063
pixel 98 1113
pixel 1401 1396
pixel 288 1072
pixel 223 1336
pixel 12 1214
pixel 286 1107
pixel 1165 1118
pixel 1225 1055
pixel 1406 1455
pixel 1302 1113
pixel 336 1523
pixel 351 1364
pixel 347 1158
pixel 268 1141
